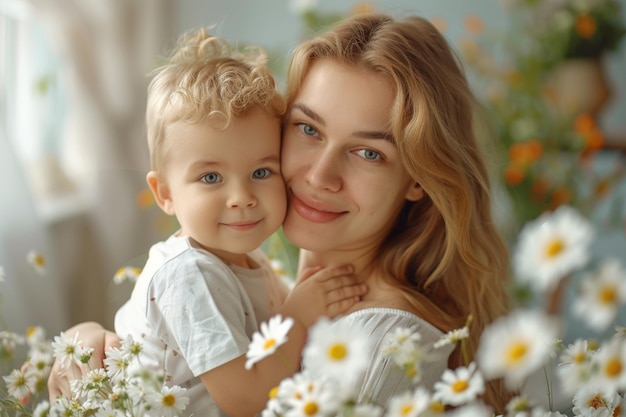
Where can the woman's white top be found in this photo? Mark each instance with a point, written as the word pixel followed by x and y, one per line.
pixel 383 379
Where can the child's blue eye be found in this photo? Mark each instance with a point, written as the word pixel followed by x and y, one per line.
pixel 369 154
pixel 211 178
pixel 307 129
pixel 261 173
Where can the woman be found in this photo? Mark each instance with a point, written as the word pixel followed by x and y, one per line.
pixel 384 171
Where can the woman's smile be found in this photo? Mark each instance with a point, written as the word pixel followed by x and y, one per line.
pixel 313 211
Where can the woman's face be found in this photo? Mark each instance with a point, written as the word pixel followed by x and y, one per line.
pixel 346 183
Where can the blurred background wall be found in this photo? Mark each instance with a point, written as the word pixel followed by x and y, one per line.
pixel 72 151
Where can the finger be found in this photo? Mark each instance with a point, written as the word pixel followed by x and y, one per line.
pixel 341 306
pixel 307 273
pixel 333 272
pixel 58 384
pixel 347 292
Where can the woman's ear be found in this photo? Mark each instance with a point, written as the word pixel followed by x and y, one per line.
pixel 415 192
pixel 161 192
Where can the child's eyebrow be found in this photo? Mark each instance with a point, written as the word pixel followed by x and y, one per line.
pixel 270 158
pixel 364 134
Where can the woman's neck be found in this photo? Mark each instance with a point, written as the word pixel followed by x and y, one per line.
pixel 361 261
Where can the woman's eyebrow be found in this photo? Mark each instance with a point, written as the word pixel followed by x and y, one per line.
pixel 310 113
pixel 362 134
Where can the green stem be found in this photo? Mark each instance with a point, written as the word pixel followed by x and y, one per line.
pixel 549 387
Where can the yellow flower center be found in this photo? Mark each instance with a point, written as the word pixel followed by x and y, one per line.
pixel 516 352
pixel 579 357
pixel 269 343
pixel 459 386
pixel 168 400
pixel 310 408
pixel 337 351
pixel 608 295
pixel 406 409
pixel 554 248
pixel 30 331
pixel 613 367
pixel 437 407
pixel 596 402
pixel 273 393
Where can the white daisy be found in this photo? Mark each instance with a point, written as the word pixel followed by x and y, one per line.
pixel 116 363
pixel 313 403
pixel 409 404
pixel 170 401
pixel 67 350
pixel 37 260
pixel 126 273
pixel 42 409
pixel 20 384
pixel 551 247
pixel 519 404
pixel 594 401
pixel 602 293
pixel 130 347
pixel 515 345
pixel 452 337
pixel 609 364
pixel 574 369
pixel 336 350
pixel 273 334
pixel 460 386
pixel 403 347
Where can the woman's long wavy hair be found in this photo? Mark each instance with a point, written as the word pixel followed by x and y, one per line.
pixel 446 245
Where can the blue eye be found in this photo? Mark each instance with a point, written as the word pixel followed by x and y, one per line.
pixel 211 178
pixel 369 154
pixel 261 173
pixel 307 129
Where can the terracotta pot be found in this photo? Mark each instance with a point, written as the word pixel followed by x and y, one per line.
pixel 579 86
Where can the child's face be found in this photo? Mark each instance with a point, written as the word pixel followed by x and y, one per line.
pixel 225 186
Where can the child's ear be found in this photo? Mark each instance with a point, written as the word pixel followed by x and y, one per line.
pixel 161 192
pixel 415 192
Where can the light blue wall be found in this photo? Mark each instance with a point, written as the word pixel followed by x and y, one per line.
pixel 271 24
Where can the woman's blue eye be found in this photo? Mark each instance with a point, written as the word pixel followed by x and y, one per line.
pixel 261 173
pixel 307 129
pixel 369 154
pixel 211 178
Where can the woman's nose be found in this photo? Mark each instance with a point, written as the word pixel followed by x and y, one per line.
pixel 241 196
pixel 323 172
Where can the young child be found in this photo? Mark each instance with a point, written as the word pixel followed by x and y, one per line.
pixel 213 128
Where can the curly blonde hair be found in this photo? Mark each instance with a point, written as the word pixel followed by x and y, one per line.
pixel 446 245
pixel 205 80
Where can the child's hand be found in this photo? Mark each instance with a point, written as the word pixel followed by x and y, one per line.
pixel 323 292
pixel 93 335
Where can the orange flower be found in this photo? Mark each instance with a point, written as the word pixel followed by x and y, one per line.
pixel 562 195
pixel 514 174
pixel 585 26
pixel 144 199
pixel 584 123
pixel 474 24
pixel 525 153
pixel 539 190
pixel 602 188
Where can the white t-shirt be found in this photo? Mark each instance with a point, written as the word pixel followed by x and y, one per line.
pixel 193 313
